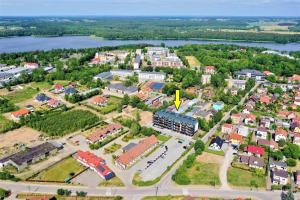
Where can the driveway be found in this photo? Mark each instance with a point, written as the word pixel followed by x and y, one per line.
pixel 224 167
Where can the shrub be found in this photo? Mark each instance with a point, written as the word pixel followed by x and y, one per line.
pixel 291 162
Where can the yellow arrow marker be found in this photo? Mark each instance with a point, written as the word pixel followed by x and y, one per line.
pixel 177 99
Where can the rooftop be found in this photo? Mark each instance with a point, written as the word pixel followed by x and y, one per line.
pixel 176 117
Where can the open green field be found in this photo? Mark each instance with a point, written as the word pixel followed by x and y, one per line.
pixel 41 85
pixel 60 171
pixel 204 174
pixel 114 182
pixel 243 178
pixel 193 61
pixel 22 95
pixel 5 124
pixel 60 123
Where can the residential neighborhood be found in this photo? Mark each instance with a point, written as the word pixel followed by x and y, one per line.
pixel 132 118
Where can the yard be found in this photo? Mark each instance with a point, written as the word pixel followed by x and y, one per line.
pixel 112 105
pixel 244 178
pixel 22 94
pixel 6 124
pixel 193 61
pixel 60 171
pixel 112 148
pixel 204 174
pixel 114 182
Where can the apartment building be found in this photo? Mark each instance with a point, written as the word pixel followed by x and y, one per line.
pixel 177 122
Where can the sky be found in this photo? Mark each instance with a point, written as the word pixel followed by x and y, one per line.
pixel 150 7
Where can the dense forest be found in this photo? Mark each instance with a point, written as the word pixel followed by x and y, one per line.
pixel 143 28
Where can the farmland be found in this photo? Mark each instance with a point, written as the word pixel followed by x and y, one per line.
pixel 60 123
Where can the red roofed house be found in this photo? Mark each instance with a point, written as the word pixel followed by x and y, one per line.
pixel 280 134
pixel 102 133
pixel 95 163
pixel 209 69
pixel 99 101
pixel 19 113
pixel 296 139
pixel 294 78
pixel 268 73
pixel 227 128
pixel 250 119
pixel 131 156
pixel 235 139
pixel 53 103
pixel 265 100
pixel 255 150
pixel 236 118
pixel 31 65
pixel 264 142
pixel 58 88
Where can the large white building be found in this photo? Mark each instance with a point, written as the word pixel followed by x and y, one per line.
pixel 154 76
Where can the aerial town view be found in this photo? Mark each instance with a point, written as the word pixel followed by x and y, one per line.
pixel 150 100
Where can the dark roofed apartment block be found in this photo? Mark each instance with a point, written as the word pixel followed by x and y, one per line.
pixel 176 122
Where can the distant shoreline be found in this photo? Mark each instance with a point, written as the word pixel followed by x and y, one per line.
pixel 167 39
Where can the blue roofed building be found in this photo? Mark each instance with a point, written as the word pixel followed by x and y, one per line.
pixel 177 122
pixel 42 98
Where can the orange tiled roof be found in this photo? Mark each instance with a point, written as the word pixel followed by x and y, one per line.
pixel 21 112
pixel 281 131
pixel 103 131
pixel 137 150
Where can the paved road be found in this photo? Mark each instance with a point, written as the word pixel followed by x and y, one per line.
pixel 136 193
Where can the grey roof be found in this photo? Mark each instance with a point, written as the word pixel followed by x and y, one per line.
pixel 244 159
pixel 158 73
pixel 137 59
pixel 176 117
pixel 122 87
pixel 5 75
pixel 105 76
pixel 42 97
pixel 70 90
pixel 277 163
pixel 281 173
pixel 256 161
pixel 27 155
pixel 250 71
pixel 129 146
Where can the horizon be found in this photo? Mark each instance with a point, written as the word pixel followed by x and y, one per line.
pixel 151 8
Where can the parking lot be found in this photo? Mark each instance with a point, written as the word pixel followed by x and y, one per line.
pixel 154 165
pixel 86 180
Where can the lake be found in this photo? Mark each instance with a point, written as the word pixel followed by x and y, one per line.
pixel 22 44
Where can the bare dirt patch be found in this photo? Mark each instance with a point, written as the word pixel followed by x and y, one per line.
pixel 210 158
pixel 24 135
pixel 146 118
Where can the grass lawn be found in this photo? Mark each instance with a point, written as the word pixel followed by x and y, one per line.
pixel 243 178
pixel 204 174
pixel 5 124
pixel 41 85
pixel 163 138
pixel 22 95
pixel 193 61
pixel 114 182
pixel 60 171
pixel 112 148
